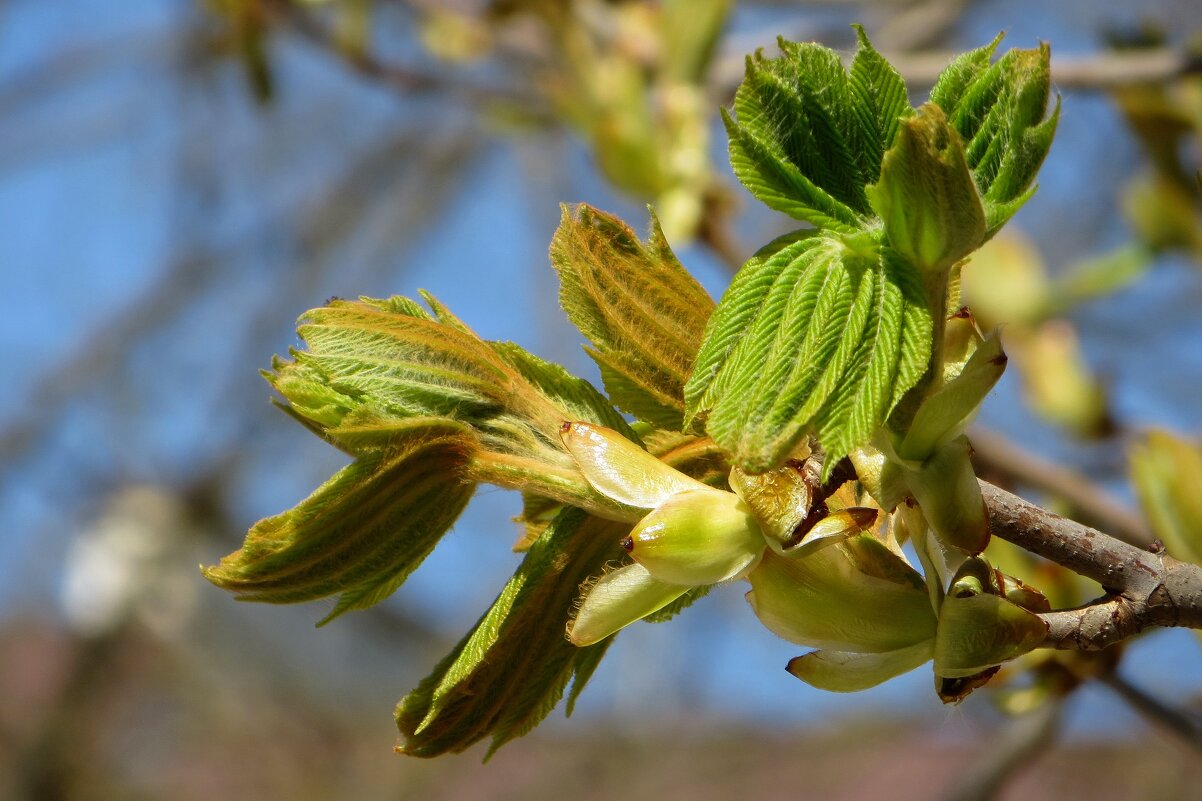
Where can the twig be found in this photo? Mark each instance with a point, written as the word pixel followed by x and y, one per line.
pixel 1145 589
pixel 1093 506
pixel 405 80
pixel 1186 728
pixel 1023 739
pixel 714 232
pixel 1095 73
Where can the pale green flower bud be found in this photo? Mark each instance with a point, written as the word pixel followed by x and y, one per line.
pixel 620 469
pixel 697 537
pixel 857 596
pixel 845 672
pixel 617 599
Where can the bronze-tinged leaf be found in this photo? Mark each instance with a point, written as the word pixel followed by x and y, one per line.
pixel 639 308
pixel 363 531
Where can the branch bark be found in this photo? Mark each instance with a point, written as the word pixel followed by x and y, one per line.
pixel 1144 589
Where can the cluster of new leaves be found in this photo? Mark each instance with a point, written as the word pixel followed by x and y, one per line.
pixel 826 331
pixel 831 342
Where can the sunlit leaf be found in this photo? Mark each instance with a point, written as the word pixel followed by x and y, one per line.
pixel 819 338
pixel 1000 112
pixel 506 676
pixel 363 531
pixel 640 309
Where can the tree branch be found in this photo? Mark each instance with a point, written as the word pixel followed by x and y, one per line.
pixel 1144 589
pixel 1187 728
pixel 402 79
pixel 1022 741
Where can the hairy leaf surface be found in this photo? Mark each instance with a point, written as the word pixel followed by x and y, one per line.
pixel 805 137
pixel 819 338
pixel 363 531
pixel 510 671
pixel 640 309
pixel 1000 111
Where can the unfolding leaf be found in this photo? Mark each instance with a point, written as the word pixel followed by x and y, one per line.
pixel 999 111
pixel 363 531
pixel 391 357
pixel 510 671
pixel 819 338
pixel 947 410
pixel 640 309
pixel 1167 473
pixel 879 102
pixel 371 363
pixel 795 136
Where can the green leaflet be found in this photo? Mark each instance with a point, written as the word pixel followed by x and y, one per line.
pixel 363 531
pixel 510 671
pixel 740 305
pixel 819 338
pixel 879 102
pixel 371 363
pixel 999 111
pixel 805 138
pixel 640 309
pixel 392 358
pixel 946 411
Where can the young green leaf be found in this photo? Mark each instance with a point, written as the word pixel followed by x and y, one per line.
pixel 1000 112
pixel 428 410
pixel 640 309
pixel 740 305
pixel 879 103
pixel 797 138
pixel 393 359
pixel 819 338
pixel 1167 473
pixel 947 411
pixel 363 531
pixel 510 671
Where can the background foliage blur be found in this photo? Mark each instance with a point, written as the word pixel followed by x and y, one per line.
pixel 180 180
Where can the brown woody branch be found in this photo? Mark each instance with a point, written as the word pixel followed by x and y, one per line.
pixel 1144 589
